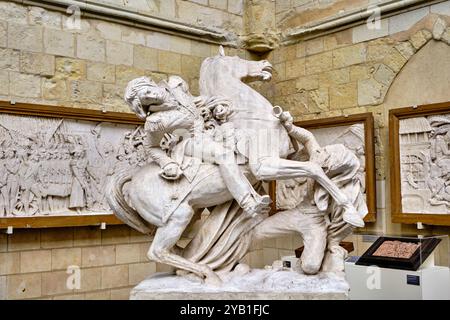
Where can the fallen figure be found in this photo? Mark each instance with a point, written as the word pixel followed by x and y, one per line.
pixel 305 208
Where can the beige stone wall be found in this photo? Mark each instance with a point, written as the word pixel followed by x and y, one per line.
pixel 43 61
pixel 34 263
pixel 211 13
pixel 358 70
pixel 294 13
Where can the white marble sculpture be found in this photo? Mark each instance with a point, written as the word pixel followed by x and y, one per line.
pixel 425 164
pixel 54 166
pixel 213 151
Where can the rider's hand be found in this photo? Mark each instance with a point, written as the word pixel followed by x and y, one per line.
pixel 171 171
pixel 169 141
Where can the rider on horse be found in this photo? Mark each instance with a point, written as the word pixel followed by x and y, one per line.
pixel 169 106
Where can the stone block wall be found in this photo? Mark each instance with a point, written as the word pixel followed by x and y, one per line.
pixel 44 61
pixel 294 13
pixel 38 263
pixel 225 14
pixel 352 71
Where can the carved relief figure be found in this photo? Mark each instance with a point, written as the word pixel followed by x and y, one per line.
pixel 425 164
pixel 12 180
pixel 3 185
pixel 80 195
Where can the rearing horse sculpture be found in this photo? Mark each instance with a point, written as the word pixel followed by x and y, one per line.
pixel 254 117
pixel 142 198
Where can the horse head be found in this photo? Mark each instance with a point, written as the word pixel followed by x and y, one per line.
pixel 223 66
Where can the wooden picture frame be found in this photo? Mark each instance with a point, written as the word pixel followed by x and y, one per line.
pixel 399 215
pixel 369 148
pixel 56 112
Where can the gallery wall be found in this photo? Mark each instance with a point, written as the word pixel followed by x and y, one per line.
pixel 293 13
pixel 355 70
pixel 342 72
pixel 225 15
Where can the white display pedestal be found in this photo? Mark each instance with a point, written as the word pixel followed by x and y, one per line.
pixel 257 284
pixel 374 283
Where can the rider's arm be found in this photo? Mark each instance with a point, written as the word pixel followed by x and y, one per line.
pixel 159 156
pixel 154 130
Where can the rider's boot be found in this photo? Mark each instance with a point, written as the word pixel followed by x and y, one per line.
pixel 256 204
pixel 241 189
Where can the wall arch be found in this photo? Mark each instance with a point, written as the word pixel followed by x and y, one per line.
pixel 424 79
pixel 373 91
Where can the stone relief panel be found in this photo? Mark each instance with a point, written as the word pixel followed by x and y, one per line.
pixel 352 137
pixel 425 164
pixel 290 192
pixel 59 166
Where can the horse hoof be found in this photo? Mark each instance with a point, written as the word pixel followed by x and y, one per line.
pixel 193 277
pixel 213 280
pixel 241 269
pixel 182 273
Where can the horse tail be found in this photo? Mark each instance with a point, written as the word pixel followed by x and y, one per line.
pixel 116 200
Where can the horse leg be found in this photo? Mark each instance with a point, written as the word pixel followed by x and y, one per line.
pixel 270 168
pixel 166 238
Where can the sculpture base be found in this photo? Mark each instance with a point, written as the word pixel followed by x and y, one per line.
pixel 256 285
